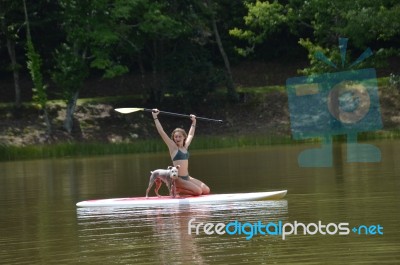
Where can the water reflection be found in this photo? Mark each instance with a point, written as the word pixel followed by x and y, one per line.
pixel 161 234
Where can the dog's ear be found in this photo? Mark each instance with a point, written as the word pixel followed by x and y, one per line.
pixel 178 166
pixel 169 167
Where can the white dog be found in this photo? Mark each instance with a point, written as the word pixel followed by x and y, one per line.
pixel 168 176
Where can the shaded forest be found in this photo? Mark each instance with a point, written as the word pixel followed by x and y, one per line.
pixel 177 52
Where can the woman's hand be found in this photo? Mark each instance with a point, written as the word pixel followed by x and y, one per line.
pixel 155 113
pixel 193 118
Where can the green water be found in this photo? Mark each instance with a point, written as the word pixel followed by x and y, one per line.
pixel 41 225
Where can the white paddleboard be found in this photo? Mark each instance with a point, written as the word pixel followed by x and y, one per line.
pixel 167 200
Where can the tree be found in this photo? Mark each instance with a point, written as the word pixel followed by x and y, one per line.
pixel 160 26
pixel 92 37
pixel 175 37
pixel 263 19
pixel 319 23
pixel 11 19
pixel 231 89
pixel 34 64
pixel 191 51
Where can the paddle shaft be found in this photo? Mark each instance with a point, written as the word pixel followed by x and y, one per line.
pixel 183 115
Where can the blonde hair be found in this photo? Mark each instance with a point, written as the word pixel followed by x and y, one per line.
pixel 181 131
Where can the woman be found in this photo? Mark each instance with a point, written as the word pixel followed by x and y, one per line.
pixel 178 146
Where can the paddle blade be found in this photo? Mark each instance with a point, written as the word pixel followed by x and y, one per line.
pixel 128 110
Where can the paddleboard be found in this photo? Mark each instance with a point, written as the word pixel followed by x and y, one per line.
pixel 168 201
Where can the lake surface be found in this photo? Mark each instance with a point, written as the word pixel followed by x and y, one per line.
pixel 40 224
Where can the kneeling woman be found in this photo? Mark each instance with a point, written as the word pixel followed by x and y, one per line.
pixel 178 146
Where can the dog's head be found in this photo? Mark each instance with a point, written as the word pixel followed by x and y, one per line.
pixel 173 172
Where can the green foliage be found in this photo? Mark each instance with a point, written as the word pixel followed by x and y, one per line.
pixel 110 67
pixel 115 37
pixel 34 66
pixel 75 149
pixel 191 77
pixel 371 20
pixel 333 55
pixel 69 71
pixel 94 32
pixel 364 22
pixel 319 23
pixel 263 19
pixel 316 65
pixel 158 23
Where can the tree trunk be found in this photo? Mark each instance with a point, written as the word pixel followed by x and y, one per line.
pixel 231 89
pixel 14 65
pixel 69 115
pixel 47 120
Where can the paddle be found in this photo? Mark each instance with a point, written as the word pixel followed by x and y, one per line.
pixel 130 110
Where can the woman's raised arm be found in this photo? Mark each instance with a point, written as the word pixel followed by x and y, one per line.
pixel 191 131
pixel 171 145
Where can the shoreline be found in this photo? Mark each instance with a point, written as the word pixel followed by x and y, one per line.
pixel 261 117
pixel 153 146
